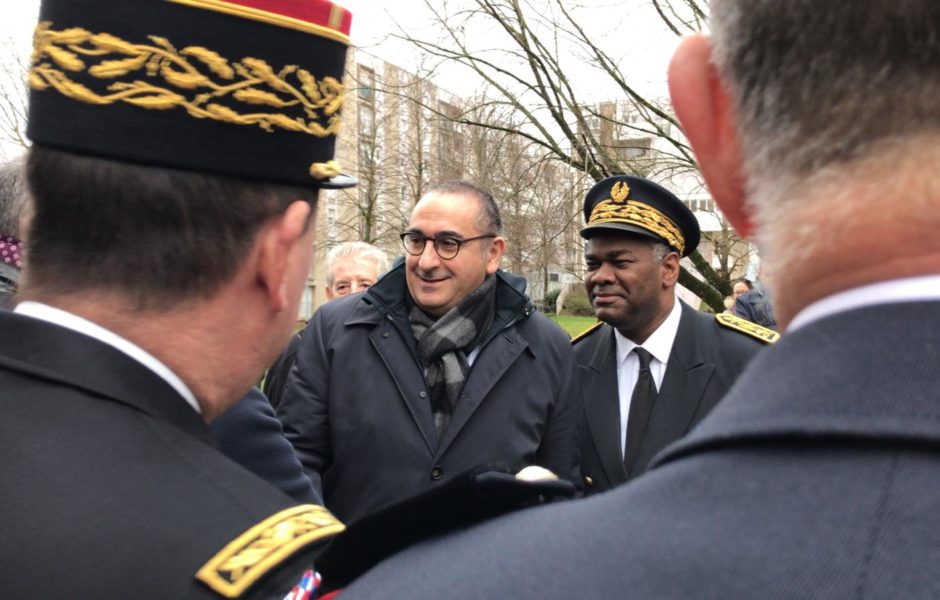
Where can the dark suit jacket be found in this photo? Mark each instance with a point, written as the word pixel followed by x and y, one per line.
pixel 815 478
pixel 356 404
pixel 111 486
pixel 706 359
pixel 250 434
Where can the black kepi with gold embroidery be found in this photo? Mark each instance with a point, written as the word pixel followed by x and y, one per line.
pixel 637 205
pixel 245 88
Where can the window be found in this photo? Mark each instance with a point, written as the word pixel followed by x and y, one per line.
pixel 366 157
pixel 367 120
pixel 450 143
pixel 632 149
pixel 366 84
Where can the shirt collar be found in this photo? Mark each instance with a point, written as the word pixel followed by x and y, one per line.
pixel 908 289
pixel 659 343
pixel 63 318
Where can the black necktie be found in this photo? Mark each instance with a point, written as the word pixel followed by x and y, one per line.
pixel 641 406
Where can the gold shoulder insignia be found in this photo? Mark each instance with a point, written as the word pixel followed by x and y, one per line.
pixel 586 332
pixel 768 336
pixel 252 554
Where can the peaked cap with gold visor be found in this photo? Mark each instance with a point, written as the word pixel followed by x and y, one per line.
pixel 636 205
pixel 244 88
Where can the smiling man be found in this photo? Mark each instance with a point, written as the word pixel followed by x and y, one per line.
pixel 442 366
pixel 654 366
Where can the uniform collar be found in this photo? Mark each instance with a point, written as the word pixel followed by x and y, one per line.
pixel 63 318
pixel 862 374
pixel 909 289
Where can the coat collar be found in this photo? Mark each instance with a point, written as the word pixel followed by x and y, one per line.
pixel 46 351
pixel 388 298
pixel 863 374
pixel 689 353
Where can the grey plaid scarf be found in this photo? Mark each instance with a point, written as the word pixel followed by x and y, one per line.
pixel 443 345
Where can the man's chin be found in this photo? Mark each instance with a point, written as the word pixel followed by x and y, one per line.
pixel 608 314
pixel 430 304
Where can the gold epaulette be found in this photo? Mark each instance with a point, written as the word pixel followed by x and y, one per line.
pixel 768 336
pixel 254 553
pixel 586 332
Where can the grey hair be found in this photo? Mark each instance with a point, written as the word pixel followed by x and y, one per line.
pixel 489 219
pixel 660 250
pixel 355 250
pixel 821 92
pixel 13 196
pixel 817 83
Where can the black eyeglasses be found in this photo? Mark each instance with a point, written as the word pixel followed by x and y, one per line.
pixel 446 246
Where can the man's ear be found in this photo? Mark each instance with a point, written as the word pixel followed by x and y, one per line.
pixel 703 106
pixel 494 254
pixel 281 244
pixel 670 269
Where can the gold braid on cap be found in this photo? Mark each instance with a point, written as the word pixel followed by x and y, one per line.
pixel 157 76
pixel 617 209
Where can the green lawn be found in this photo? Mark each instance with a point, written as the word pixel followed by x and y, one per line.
pixel 573 325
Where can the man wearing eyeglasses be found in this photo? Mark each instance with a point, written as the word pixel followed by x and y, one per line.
pixel 440 367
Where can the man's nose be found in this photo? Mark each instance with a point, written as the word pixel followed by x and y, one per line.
pixel 428 258
pixel 603 274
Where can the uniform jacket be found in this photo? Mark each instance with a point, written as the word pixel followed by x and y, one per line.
pixel 706 359
pixel 250 434
pixel 815 477
pixel 356 405
pixel 111 485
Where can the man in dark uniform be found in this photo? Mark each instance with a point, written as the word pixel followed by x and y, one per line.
pixel 654 366
pixel 817 128
pixel 178 151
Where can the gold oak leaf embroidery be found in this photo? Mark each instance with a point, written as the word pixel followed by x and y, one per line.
pixel 194 78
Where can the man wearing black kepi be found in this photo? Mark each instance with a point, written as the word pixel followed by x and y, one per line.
pixel 654 366
pixel 178 151
pixel 816 126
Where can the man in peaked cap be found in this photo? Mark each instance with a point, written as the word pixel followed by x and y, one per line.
pixel 179 147
pixel 654 366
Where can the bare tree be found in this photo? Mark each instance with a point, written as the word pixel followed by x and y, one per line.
pixel 13 98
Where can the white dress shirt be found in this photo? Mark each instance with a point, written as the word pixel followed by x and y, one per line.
pixel 71 321
pixel 659 345
pixel 908 289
